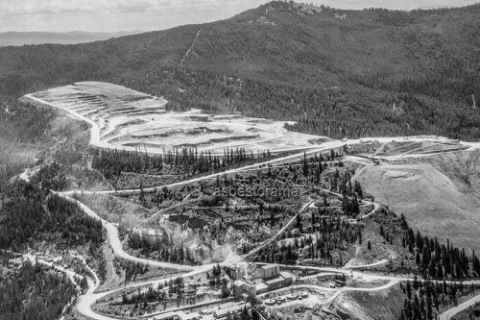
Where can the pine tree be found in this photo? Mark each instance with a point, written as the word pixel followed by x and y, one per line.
pixel 141 197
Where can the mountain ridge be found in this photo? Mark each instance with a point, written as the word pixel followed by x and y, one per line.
pixel 16 38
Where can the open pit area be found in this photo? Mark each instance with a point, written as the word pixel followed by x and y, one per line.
pixel 126 119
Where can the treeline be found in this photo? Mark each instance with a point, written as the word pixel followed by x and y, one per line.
pixel 329 235
pixel 351 192
pixel 34 293
pixel 21 219
pixel 355 114
pixel 163 294
pixel 75 227
pixel 188 161
pixel 424 298
pixel 244 314
pixel 29 214
pixel 141 299
pixel 435 260
pixel 21 126
pixel 51 177
pixel 312 168
pixel 348 112
pixel 132 269
pixel 163 246
pixel 23 123
pixel 69 153
pixel 342 183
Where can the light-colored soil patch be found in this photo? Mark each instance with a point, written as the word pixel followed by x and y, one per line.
pixel 384 305
pixel 126 119
pixel 439 195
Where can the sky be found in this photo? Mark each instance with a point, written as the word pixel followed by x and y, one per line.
pixel 149 15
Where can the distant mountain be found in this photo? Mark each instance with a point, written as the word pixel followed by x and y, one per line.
pixel 434 7
pixel 33 38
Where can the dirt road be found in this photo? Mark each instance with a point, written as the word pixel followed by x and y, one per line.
pixel 453 311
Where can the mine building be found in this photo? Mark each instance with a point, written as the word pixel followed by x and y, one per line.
pixel 165 316
pixel 288 277
pixel 275 283
pixel 231 271
pixel 179 315
pixel 223 312
pixel 248 289
pixel 266 271
pixel 188 316
pixel 261 288
pixel 282 280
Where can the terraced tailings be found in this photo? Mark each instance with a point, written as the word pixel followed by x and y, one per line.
pixel 439 195
pixel 122 118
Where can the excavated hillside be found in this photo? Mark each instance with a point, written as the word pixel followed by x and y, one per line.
pixel 439 195
pixel 381 305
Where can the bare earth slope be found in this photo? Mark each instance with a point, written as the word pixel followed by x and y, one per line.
pixel 439 194
pixel 384 305
pixel 127 119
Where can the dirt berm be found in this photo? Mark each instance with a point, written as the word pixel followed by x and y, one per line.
pixel 439 195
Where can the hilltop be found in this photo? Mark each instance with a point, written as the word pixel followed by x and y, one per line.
pixel 32 38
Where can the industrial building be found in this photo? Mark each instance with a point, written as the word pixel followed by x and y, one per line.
pixel 234 272
pixel 266 271
pixel 261 288
pixel 179 315
pixel 165 316
pixel 282 280
pixel 222 313
pixel 250 289
pixel 188 316
pixel 237 286
pixel 288 277
pixel 276 283
pixel 265 278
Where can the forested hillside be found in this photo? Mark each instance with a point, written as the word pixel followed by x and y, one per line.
pixel 28 215
pixel 336 72
pixel 34 293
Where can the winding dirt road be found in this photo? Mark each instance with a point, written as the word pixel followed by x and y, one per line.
pixel 465 305
pixel 116 244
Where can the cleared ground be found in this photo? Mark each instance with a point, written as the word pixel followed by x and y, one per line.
pixel 384 304
pixel 438 194
pixel 127 119
pixel 406 148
